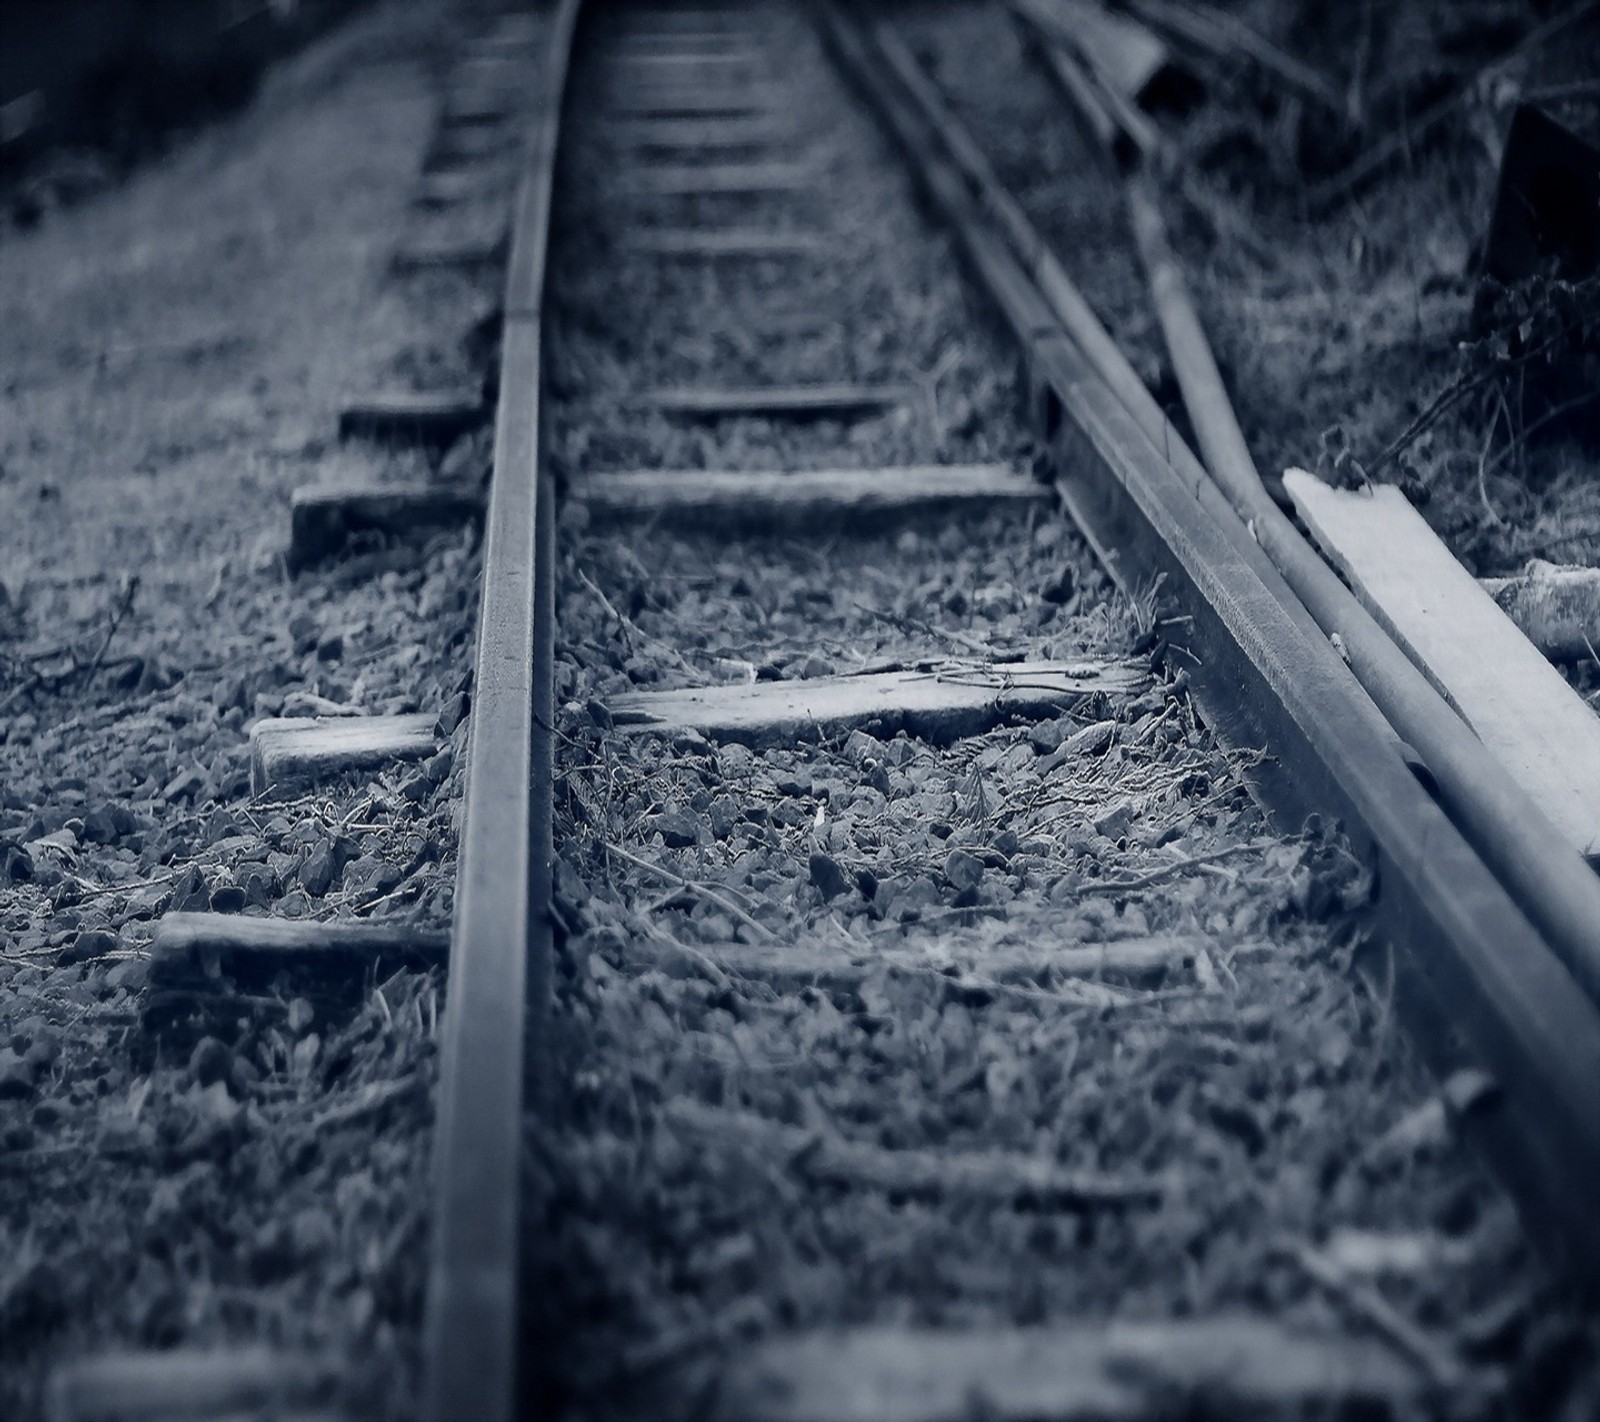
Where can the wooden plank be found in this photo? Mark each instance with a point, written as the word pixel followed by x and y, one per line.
pixel 717 180
pixel 301 750
pixel 942 705
pixel 323 516
pixel 1040 962
pixel 727 244
pixel 211 945
pixel 793 401
pixel 452 186
pixel 1125 56
pixel 1522 708
pixel 995 1177
pixel 1088 1371
pixel 804 499
pixel 427 416
pixel 191 1384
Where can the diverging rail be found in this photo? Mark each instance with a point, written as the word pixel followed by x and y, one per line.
pixel 1479 981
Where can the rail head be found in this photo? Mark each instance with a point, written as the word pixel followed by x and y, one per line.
pixel 500 941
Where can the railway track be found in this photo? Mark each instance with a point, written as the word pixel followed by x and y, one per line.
pixel 805 729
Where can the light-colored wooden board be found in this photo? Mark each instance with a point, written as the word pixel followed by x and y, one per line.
pixel 1040 961
pixel 1088 1371
pixel 300 750
pixel 716 180
pixel 453 186
pixel 323 516
pixel 798 401
pixel 432 416
pixel 942 705
pixel 1521 707
pixel 188 945
pixel 1125 56
pixel 810 498
pixel 190 1384
pixel 725 244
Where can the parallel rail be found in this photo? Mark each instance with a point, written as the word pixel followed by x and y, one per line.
pixel 501 939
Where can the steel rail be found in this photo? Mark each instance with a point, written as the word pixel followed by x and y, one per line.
pixel 1545 873
pixel 501 942
pixel 1477 981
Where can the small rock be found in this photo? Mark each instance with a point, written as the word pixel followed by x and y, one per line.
pixel 211 1061
pixel 867 882
pixel 323 865
pixel 228 898
pixel 91 943
pixel 724 816
pixel 303 631
pixel 331 647
pixel 963 870
pixel 453 714
pixel 301 1015
pixel 100 825
pixel 1060 588
pixel 16 864
pixel 1092 740
pixel 830 880
pixel 185 785
pixel 677 829
pixel 416 788
pixel 815 666
pixel 1045 736
pixel 437 768
pixel 16 1076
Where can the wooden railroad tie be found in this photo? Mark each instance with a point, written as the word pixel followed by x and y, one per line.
pixel 470 144
pixel 323 516
pixel 434 417
pixel 735 500
pixel 697 136
pixel 689 103
pixel 1521 707
pixel 727 244
pixel 293 751
pixel 192 946
pixel 450 187
pixel 174 1384
pixel 448 256
pixel 720 180
pixel 1070 1371
pixel 479 111
pixel 675 61
pixel 779 401
pixel 940 705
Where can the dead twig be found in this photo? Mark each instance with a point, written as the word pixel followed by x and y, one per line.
pixel 704 890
